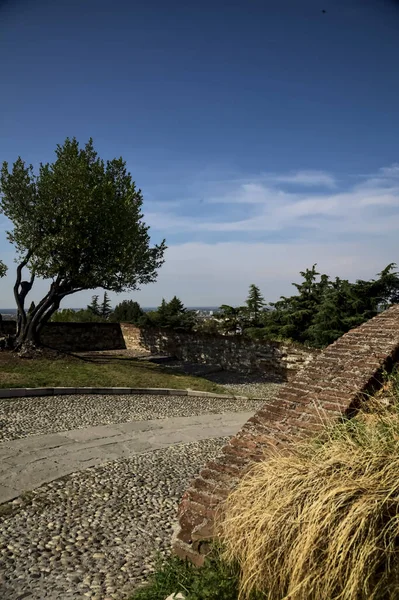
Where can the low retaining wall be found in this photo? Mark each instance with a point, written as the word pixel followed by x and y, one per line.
pixel 7 327
pixel 83 336
pixel 331 386
pixel 78 337
pixel 279 361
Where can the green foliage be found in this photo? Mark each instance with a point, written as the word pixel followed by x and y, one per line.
pixel 210 326
pixel 94 306
pixel 292 317
pixel 323 310
pixel 234 319
pixel 68 315
pixel 95 312
pixel 255 303
pixel 65 315
pixel 105 308
pixel 346 305
pixel 3 269
pixel 81 220
pixel 127 311
pixel 214 581
pixel 172 315
pixel 79 223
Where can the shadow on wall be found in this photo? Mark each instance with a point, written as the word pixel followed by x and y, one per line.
pixel 78 337
pixel 7 327
pixel 272 361
pixel 277 360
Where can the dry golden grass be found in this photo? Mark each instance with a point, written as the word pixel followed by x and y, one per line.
pixel 322 522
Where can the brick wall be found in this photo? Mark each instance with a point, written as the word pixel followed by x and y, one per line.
pixel 279 361
pixel 329 387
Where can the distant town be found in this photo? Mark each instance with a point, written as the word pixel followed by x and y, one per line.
pixel 10 314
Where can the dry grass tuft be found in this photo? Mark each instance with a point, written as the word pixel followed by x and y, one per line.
pixel 322 522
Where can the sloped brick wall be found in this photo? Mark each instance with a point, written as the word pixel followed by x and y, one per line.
pixel 329 387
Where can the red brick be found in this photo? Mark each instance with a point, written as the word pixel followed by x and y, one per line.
pixel 331 384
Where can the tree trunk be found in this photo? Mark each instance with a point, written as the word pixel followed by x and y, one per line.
pixel 30 325
pixel 28 338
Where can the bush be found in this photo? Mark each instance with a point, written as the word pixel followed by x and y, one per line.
pixel 170 315
pixel 322 521
pixel 127 311
pixel 76 316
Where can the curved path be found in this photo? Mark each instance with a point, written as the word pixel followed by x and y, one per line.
pixel 102 477
pixel 28 463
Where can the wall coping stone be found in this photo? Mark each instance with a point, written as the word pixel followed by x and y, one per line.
pixel 59 391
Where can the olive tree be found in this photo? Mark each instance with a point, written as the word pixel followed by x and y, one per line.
pixel 77 223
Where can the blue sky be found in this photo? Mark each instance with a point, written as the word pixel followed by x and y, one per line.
pixel 263 134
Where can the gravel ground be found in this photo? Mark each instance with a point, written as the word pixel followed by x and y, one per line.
pixel 93 534
pixel 254 386
pixel 21 417
pixel 242 384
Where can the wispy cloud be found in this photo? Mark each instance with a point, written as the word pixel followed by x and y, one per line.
pixel 392 171
pixel 369 207
pixel 305 178
pixel 228 233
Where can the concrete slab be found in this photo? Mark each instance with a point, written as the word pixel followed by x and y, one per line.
pixel 91 433
pixel 39 391
pixel 30 462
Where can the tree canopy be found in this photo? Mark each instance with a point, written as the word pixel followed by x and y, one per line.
pixel 127 310
pixel 3 269
pixel 78 222
pixel 171 315
pixel 255 303
pixel 323 309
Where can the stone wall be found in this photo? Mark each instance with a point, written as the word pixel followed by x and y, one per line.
pixel 78 337
pixel 332 385
pixel 7 327
pixel 280 361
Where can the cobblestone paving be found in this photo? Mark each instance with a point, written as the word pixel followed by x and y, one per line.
pixel 20 417
pixel 93 534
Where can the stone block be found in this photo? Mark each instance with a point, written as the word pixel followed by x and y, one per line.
pixel 40 391
pixel 64 391
pixel 12 392
pixel 84 390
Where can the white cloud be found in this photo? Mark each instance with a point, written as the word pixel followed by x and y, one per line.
pixel 360 209
pixel 392 171
pixel 305 178
pixel 211 273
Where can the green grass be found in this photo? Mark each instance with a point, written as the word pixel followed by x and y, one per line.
pixel 214 581
pixel 116 371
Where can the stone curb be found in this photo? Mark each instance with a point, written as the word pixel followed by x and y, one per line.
pixel 59 391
